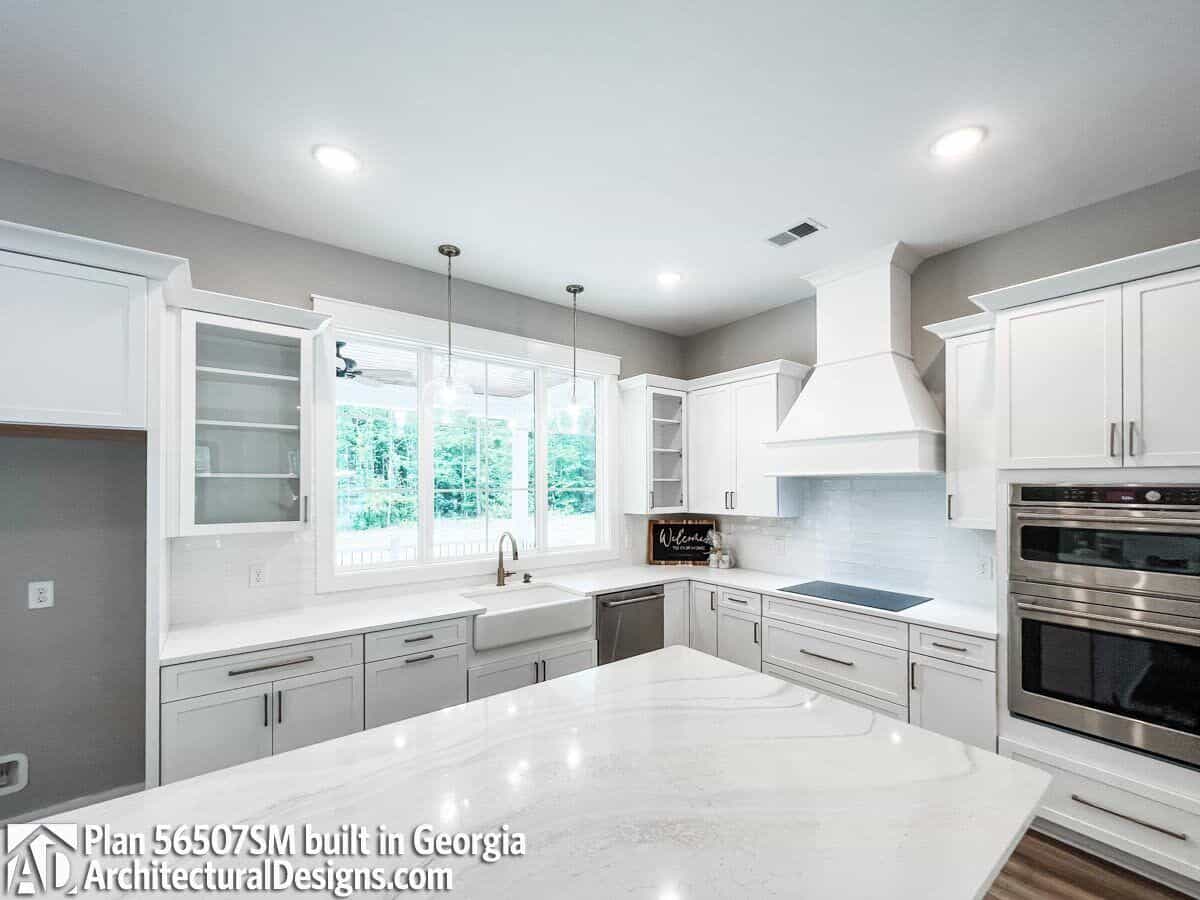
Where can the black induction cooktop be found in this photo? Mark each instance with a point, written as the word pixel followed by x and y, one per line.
pixel 859 596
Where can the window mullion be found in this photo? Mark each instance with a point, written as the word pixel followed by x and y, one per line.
pixel 425 453
pixel 541 501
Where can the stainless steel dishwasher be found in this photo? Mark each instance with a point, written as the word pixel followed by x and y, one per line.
pixel 629 623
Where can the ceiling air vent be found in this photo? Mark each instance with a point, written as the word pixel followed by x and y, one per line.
pixel 804 229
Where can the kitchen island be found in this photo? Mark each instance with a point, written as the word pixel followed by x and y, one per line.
pixel 669 775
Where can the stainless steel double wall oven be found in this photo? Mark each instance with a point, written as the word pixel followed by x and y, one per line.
pixel 1104 612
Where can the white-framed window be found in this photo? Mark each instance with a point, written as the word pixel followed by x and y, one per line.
pixel 411 493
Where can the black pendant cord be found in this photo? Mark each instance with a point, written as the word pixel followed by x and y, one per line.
pixel 449 251
pixel 574 290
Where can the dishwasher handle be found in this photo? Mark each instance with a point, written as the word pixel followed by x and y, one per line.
pixel 609 604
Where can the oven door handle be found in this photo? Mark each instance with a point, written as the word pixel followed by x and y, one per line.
pixel 1112 523
pixel 1116 620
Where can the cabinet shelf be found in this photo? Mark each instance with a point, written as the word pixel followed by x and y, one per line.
pixel 262 426
pixel 283 475
pixel 245 375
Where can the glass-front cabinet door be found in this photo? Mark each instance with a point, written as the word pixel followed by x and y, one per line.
pixel 245 408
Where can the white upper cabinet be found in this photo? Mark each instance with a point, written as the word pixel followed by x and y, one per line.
pixel 970 420
pixel 728 424
pixel 1161 318
pixel 76 344
pixel 244 413
pixel 712 469
pixel 756 415
pixel 654 445
pixel 1058 373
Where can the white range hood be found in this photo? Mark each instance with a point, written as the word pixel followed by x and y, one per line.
pixel 864 410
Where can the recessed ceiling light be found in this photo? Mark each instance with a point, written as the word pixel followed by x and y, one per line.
pixel 336 159
pixel 958 143
pixel 669 279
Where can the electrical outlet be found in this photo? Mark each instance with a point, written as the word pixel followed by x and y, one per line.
pixel 258 575
pixel 983 567
pixel 41 594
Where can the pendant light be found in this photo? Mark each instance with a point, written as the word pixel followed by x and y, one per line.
pixel 446 393
pixel 573 408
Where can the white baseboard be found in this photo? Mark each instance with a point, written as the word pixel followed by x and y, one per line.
pixel 1118 857
pixel 48 812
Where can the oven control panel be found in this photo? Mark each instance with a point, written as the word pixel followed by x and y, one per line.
pixel 1108 494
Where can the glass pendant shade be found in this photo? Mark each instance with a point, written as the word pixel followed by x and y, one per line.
pixel 446 394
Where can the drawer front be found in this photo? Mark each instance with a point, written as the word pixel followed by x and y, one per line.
pixel 1151 829
pixel 891 710
pixel 837 621
pixel 410 639
pixel 861 666
pixel 207 676
pixel 947 645
pixel 414 685
pixel 742 600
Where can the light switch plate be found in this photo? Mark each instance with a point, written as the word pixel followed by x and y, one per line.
pixel 41 594
pixel 14 772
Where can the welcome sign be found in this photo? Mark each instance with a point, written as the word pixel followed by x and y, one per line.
pixel 679 542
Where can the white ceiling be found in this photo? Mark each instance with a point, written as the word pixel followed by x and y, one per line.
pixel 563 141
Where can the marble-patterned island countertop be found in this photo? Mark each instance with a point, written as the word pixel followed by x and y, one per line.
pixel 672 774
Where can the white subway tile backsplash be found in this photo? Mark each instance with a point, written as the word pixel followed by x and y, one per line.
pixel 885 531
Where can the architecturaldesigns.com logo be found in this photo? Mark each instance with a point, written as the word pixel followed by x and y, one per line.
pixel 37 858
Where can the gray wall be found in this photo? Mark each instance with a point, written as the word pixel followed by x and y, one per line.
pixel 72 676
pixel 235 258
pixel 1154 216
pixel 786 332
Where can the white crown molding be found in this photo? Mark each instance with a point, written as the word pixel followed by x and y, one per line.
pixel 963 325
pixel 1089 278
pixel 775 367
pixel 84 251
pixel 246 308
pixel 467 338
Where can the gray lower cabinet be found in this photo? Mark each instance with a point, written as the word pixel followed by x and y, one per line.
pixel 703 619
pixel 529 668
pixel 213 731
pixel 201 734
pixel 314 708
pixel 415 684
pixel 738 637
pixel 568 659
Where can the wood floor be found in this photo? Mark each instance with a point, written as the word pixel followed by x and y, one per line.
pixel 1045 869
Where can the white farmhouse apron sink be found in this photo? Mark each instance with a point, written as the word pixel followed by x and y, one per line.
pixel 525 612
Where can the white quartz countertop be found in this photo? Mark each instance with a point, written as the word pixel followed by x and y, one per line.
pixel 332 619
pixel 336 618
pixel 978 619
pixel 672 774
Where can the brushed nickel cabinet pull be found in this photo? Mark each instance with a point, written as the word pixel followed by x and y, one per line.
pixel 543 670
pixel 536 676
pixel 949 507
pixel 413 659
pixel 737 600
pixel 832 659
pixel 1178 835
pixel 912 675
pixel 1113 449
pixel 279 706
pixel 948 647
pixel 299 660
pixel 756 632
pixel 414 640
pixel 266 710
pixel 1132 452
pixel 712 601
